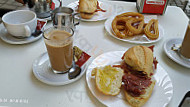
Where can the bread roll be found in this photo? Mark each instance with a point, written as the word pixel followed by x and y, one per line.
pixel 108 79
pixel 86 15
pixel 140 58
pixel 87 6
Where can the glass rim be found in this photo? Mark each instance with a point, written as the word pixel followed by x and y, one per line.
pixel 55 26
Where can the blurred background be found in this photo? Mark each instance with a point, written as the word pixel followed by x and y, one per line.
pixel 8 5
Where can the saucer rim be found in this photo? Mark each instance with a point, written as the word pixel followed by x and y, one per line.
pixel 22 41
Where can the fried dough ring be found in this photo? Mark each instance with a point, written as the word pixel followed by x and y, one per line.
pixel 118 33
pixel 133 29
pixel 120 27
pixel 120 24
pixel 132 14
pixel 131 23
pixel 152 25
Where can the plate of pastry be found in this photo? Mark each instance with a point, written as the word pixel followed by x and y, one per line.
pixel 92 10
pixel 129 78
pixel 134 27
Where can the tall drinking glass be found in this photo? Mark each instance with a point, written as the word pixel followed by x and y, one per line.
pixel 59 44
pixel 185 48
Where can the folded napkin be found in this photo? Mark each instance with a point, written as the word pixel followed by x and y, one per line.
pixel 40 24
pixel 80 56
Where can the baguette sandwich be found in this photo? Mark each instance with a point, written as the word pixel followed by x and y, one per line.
pixel 108 79
pixel 87 8
pixel 138 67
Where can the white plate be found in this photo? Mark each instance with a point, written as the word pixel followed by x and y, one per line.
pixel 142 39
pixel 161 95
pixel 43 72
pixel 8 38
pixel 98 15
pixel 175 56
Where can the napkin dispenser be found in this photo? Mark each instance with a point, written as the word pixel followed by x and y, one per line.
pixel 152 6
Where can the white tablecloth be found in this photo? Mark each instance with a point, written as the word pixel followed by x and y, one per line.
pixel 17 81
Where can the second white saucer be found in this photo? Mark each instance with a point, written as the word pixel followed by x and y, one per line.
pixel 175 56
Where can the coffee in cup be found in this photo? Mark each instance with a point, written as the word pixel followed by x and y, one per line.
pixel 20 23
pixel 185 47
pixel 59 44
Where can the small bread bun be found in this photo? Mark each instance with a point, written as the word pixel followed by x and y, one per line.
pixel 108 79
pixel 86 15
pixel 142 99
pixel 140 58
pixel 88 6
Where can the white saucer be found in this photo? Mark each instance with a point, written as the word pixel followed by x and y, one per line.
pixel 43 72
pixel 175 56
pixel 8 38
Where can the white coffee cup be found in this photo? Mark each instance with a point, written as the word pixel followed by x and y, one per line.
pixel 20 23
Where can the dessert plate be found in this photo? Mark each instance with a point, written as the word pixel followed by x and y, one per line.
pixel 141 39
pixel 43 72
pixel 98 15
pixel 161 95
pixel 175 56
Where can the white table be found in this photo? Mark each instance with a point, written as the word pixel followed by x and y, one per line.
pixel 17 82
